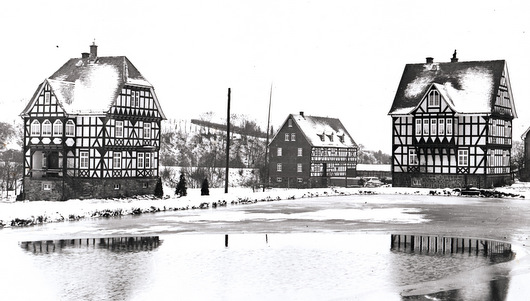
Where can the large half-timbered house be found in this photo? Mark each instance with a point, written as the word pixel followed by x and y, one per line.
pixel 308 151
pixel 452 124
pixel 92 129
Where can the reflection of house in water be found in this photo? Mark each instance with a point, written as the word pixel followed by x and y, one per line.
pixel 487 282
pixel 117 244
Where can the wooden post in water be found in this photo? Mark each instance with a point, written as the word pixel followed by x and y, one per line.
pixel 412 242
pixel 226 240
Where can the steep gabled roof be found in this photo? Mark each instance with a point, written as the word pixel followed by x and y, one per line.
pixel 318 130
pixel 92 84
pixel 83 85
pixel 470 87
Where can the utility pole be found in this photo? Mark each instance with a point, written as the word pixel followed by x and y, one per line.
pixel 227 170
pixel 267 144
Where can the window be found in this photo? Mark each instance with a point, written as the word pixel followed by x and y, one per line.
pixel 433 127
pixel 116 162
pixel 279 152
pixel 147 130
pixel 147 161
pixel 145 185
pixel 441 127
pixel 418 126
pixel 117 186
pixel 83 160
pixel 119 129
pixel 58 128
pixel 46 128
pixel 70 128
pixel 286 136
pixel 290 123
pixel 279 180
pixel 299 180
pixel 279 167
pixel 434 98
pixel 35 128
pixel 140 162
pixel 413 157
pixel 293 137
pixel 425 127
pixel 300 150
pixel 46 98
pixel 299 167
pixel 449 126
pixel 463 157
pixel 46 186
pixel 135 98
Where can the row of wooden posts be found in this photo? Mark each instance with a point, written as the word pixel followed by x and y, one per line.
pixel 448 245
pixel 112 243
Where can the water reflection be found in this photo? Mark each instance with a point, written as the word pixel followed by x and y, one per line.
pixel 115 244
pixel 481 268
pixel 292 266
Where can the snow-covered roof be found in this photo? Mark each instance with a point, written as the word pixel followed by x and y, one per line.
pixel 323 131
pixel 469 87
pixel 87 85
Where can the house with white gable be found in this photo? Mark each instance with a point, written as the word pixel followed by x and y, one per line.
pixel 452 124
pixel 92 129
pixel 308 151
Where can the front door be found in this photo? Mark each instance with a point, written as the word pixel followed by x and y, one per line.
pixel 53 160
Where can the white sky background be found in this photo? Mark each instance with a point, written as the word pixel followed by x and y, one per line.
pixel 339 59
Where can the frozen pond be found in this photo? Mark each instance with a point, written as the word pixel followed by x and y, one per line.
pixel 315 249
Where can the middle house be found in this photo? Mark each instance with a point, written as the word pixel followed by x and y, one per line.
pixel 309 151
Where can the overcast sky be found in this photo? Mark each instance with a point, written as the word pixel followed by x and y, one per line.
pixel 340 59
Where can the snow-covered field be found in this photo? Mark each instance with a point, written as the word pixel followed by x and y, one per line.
pixel 14 213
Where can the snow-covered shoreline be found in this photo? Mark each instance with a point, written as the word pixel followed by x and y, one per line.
pixel 15 214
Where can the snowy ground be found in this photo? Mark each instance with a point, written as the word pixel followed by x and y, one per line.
pixel 30 213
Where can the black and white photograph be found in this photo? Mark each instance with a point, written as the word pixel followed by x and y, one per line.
pixel 264 150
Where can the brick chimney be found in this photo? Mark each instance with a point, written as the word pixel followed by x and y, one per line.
pixel 302 113
pixel 429 60
pixel 93 51
pixel 85 55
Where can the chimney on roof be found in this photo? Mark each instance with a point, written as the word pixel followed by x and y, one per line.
pixel 93 51
pixel 429 60
pixel 454 59
pixel 302 113
pixel 85 55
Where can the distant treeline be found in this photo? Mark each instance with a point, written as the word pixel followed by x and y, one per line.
pixel 249 128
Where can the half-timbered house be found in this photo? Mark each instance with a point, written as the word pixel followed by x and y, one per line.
pixel 307 151
pixel 452 124
pixel 92 129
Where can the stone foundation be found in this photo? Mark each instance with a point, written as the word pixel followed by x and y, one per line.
pixel 57 189
pixel 448 180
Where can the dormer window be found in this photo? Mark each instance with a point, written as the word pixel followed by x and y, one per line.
pixel 321 137
pixel 433 98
